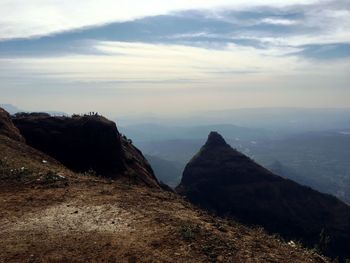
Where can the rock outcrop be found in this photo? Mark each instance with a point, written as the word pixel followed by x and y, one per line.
pixel 7 128
pixel 86 143
pixel 138 168
pixel 228 183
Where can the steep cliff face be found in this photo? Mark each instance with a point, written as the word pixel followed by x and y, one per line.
pixel 224 181
pixel 84 143
pixel 80 143
pixel 7 128
pixel 138 168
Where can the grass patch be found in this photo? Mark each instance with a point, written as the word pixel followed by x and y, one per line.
pixel 189 232
pixel 90 173
pixel 209 251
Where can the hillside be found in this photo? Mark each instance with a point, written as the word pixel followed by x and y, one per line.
pixel 52 214
pixel 86 143
pixel 222 180
pixel 7 128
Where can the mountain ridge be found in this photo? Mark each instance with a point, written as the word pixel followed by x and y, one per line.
pixel 85 143
pixel 228 183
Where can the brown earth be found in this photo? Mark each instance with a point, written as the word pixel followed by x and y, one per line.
pixel 7 128
pixel 81 218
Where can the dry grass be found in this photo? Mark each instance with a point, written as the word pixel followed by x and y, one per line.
pixel 95 220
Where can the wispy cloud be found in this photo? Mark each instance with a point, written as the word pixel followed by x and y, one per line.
pixel 21 18
pixel 288 29
pixel 145 63
pixel 255 52
pixel 277 21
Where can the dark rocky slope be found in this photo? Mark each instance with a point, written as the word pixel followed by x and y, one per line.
pixel 7 128
pixel 86 143
pixel 224 181
pixel 138 170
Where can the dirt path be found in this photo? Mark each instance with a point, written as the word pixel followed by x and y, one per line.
pixel 99 221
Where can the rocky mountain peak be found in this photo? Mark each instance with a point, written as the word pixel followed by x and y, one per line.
pixel 215 139
pixel 224 181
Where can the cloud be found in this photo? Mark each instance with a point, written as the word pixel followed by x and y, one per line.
pixel 279 30
pixel 129 78
pixel 284 22
pixel 22 18
pixel 326 51
pixel 243 55
pixel 145 64
pixel 140 63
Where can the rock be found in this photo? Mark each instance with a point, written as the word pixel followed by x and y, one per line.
pixel 89 143
pixel 81 144
pixel 224 181
pixel 7 128
pixel 220 259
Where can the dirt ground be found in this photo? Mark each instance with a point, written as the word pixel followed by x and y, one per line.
pixel 93 220
pixel 50 214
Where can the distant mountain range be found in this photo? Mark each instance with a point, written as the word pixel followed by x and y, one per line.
pixel 281 120
pixel 12 109
pixel 151 132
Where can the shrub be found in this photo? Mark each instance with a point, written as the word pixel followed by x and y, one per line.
pixel 90 172
pixel 220 227
pixel 324 241
pixel 209 250
pixel 53 179
pixel 189 232
pixel 3 168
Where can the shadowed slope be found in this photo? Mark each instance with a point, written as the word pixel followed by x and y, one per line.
pixel 222 180
pixel 84 143
pixel 7 128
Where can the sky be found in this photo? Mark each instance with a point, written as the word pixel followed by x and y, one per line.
pixel 173 57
